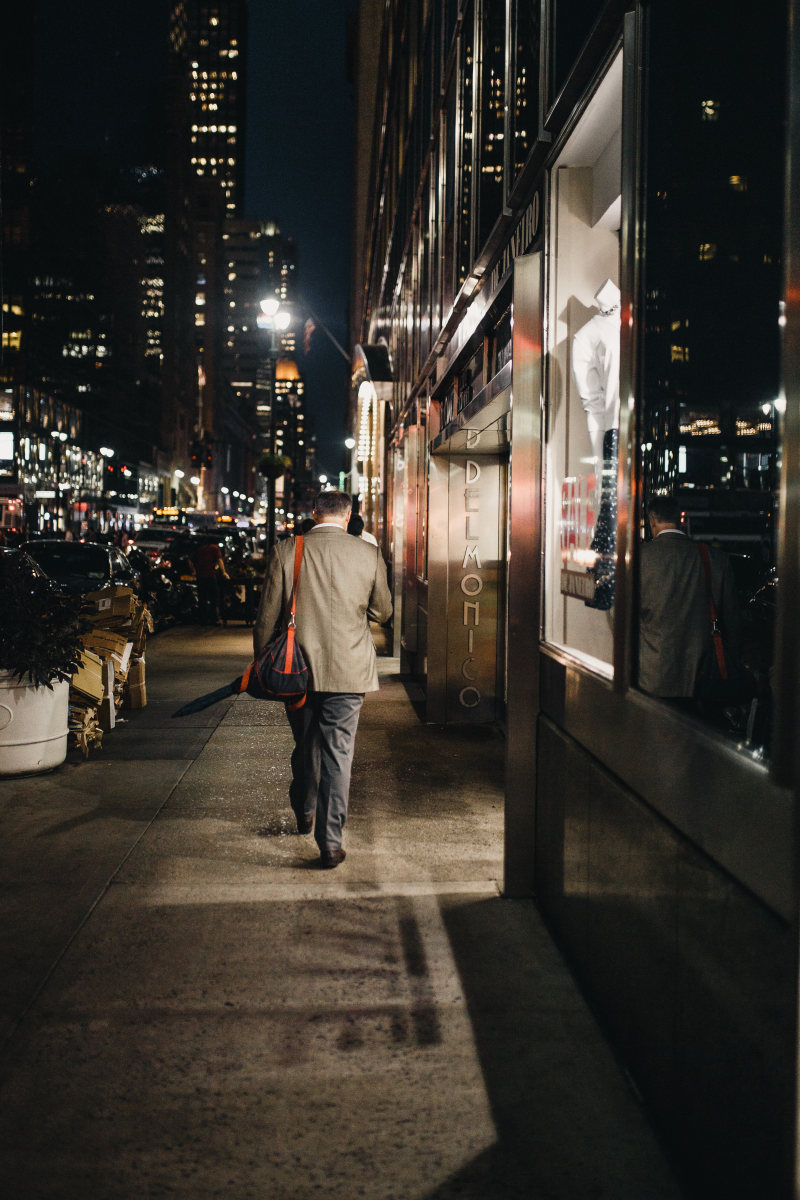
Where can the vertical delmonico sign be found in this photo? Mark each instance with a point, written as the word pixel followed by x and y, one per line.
pixel 472 652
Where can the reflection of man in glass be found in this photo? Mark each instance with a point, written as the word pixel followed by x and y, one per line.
pixel 595 367
pixel 674 617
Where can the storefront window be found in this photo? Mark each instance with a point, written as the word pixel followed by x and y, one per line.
pixel 710 427
pixel 502 342
pixel 470 380
pixel 582 380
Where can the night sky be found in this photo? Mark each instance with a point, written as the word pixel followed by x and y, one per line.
pixel 91 59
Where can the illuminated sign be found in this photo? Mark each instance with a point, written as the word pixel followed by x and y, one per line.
pixel 523 235
pixel 475 535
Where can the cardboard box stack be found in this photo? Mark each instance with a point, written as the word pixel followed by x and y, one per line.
pixel 112 663
pixel 85 696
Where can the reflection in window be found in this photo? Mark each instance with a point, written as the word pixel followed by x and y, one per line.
pixel 709 414
pixel 447 204
pixel 464 260
pixel 493 105
pixel 571 25
pixel 524 115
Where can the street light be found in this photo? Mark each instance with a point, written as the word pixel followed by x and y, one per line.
pixel 274 319
pixel 58 437
pixel 277 316
pixel 350 443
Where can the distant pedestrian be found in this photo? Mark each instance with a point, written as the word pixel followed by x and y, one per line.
pixel 342 588
pixel 355 526
pixel 210 569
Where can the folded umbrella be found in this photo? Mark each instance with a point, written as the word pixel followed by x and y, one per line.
pixel 210 698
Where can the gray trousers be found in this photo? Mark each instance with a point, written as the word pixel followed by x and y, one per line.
pixel 324 731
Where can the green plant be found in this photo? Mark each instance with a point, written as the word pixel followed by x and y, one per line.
pixel 272 466
pixel 40 627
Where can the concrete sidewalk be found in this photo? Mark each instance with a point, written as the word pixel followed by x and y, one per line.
pixel 190 1007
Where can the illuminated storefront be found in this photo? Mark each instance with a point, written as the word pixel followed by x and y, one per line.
pixel 580 257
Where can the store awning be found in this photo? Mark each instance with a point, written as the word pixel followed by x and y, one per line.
pixel 372 362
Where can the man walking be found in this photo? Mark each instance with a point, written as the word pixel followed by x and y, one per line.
pixel 342 587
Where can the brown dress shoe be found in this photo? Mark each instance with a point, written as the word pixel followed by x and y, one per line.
pixel 331 858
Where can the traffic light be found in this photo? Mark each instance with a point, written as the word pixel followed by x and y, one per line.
pixel 196 454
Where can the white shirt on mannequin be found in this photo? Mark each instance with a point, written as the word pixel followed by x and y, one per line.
pixel 595 367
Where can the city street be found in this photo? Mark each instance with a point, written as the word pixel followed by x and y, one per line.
pixel 190 1007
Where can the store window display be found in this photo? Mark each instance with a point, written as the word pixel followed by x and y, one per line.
pixel 582 381
pixel 595 370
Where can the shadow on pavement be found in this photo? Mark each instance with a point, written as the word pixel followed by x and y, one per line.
pixel 568 1127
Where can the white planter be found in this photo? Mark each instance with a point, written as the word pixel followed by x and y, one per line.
pixel 33 725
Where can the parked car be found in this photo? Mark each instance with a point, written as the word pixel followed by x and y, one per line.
pixel 81 566
pixel 153 539
pixel 183 546
pixel 8 552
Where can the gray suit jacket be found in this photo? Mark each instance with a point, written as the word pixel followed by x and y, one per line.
pixel 674 622
pixel 342 588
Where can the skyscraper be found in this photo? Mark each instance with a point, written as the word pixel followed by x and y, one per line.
pixel 207 94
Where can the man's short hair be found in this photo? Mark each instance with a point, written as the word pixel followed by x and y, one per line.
pixel 333 504
pixel 665 509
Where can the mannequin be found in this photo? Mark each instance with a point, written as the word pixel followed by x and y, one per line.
pixel 595 367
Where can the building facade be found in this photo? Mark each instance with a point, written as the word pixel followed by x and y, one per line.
pixel 576 250
pixel 206 120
